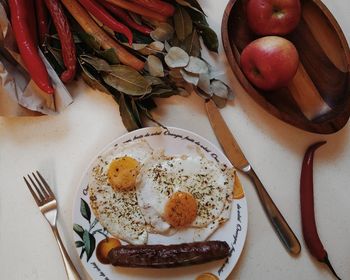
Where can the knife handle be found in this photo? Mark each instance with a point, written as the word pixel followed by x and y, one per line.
pixel 280 225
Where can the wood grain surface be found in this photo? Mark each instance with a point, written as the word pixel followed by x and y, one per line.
pixel 318 97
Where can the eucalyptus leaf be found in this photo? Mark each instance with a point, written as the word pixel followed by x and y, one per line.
pixel 155 66
pixel 220 89
pixel 167 46
pixel 204 83
pixel 127 80
pixel 98 63
pixel 78 229
pixel 219 101
pixel 89 244
pixel 190 77
pixel 183 23
pixel 85 209
pixel 176 57
pixel 126 114
pixel 138 46
pixel 163 32
pixel 153 48
pixel 192 44
pixel 197 66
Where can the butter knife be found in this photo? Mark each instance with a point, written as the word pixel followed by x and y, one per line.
pixel 239 161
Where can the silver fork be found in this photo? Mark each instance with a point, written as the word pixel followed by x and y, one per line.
pixel 47 204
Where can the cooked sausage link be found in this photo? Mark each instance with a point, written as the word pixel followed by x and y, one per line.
pixel 167 256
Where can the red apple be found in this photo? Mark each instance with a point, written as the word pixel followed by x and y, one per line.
pixel 273 17
pixel 270 62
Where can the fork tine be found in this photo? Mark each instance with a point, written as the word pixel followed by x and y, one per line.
pixel 35 196
pixel 47 187
pixel 36 188
pixel 40 183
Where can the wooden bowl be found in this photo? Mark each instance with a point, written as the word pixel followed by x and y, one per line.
pixel 318 97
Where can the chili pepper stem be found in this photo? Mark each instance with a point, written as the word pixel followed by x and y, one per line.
pixel 328 263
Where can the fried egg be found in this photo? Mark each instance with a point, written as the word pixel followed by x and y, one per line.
pixel 187 193
pixel 112 191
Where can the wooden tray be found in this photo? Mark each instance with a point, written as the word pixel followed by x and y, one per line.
pixel 318 98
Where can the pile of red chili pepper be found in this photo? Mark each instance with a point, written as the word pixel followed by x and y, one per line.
pixel 30 22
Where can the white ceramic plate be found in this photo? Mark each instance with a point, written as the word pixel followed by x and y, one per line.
pixel 88 232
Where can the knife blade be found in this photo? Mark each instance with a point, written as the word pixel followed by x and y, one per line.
pixel 239 161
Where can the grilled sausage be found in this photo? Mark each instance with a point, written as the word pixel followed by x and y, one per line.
pixel 167 256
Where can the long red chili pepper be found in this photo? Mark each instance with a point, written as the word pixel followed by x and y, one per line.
pixel 310 233
pixel 23 23
pixel 161 7
pixel 66 38
pixel 101 14
pixel 41 15
pixel 121 14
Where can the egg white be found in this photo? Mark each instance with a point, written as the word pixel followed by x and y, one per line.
pixel 209 182
pixel 118 211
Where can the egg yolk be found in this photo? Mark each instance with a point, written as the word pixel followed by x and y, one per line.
pixel 181 209
pixel 122 173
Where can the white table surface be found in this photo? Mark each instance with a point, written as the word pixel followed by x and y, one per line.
pixel 62 146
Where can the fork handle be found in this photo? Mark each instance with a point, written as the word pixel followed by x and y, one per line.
pixel 72 273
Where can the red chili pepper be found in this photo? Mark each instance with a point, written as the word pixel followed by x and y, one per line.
pixel 101 14
pixel 121 14
pixel 23 23
pixel 310 233
pixel 161 7
pixel 43 25
pixel 66 38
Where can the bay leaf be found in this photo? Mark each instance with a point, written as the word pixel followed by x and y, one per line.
pixel 154 80
pixel 126 113
pixel 91 80
pixel 210 39
pixel 163 32
pixel 176 57
pixel 197 66
pixel 175 74
pixel 183 23
pixel 187 4
pixel 98 63
pixel 127 80
pixel 109 55
pixel 57 55
pixel 136 113
pixel 155 66
pixel 192 44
